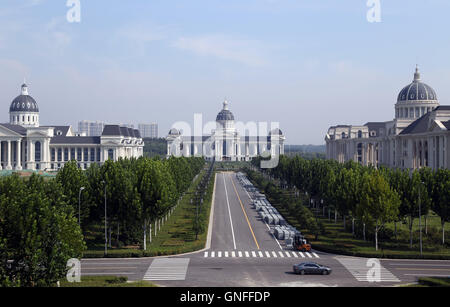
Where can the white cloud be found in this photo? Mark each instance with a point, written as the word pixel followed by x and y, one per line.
pixel 239 50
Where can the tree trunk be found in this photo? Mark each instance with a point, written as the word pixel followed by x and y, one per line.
pixel 410 232
pixel 353 226
pixel 395 230
pixel 364 231
pixel 335 216
pixel 118 228
pixel 443 232
pixel 150 232
pixel 376 237
pixel 426 225
pixel 344 221
pixel 145 236
pixel 329 214
pixel 110 232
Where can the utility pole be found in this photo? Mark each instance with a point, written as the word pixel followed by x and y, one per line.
pixel 420 219
pixel 106 232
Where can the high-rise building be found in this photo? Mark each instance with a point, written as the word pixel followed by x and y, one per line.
pixel 90 128
pixel 149 130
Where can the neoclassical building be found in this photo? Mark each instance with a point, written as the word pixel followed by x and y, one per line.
pixel 225 143
pixel 25 144
pixel 418 136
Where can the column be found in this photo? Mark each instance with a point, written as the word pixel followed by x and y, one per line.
pixel 8 166
pixel 18 155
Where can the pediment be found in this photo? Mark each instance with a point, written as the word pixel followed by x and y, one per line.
pixel 5 132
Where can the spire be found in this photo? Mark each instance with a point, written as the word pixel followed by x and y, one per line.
pixel 225 105
pixel 24 89
pixel 417 74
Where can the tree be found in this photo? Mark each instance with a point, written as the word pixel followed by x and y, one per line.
pixel 441 198
pixel 379 203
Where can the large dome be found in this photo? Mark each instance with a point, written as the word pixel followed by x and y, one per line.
pixel 24 102
pixel 225 114
pixel 417 91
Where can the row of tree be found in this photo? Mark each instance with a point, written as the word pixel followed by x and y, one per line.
pixel 373 196
pixel 39 219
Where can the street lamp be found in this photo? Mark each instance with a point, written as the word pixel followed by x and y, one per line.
pixel 106 235
pixel 420 218
pixel 79 206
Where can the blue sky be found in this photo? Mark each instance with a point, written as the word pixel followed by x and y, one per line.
pixel 305 64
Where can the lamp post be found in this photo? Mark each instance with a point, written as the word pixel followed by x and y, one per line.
pixel 79 206
pixel 106 235
pixel 420 218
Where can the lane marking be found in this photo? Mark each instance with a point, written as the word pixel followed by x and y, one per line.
pixel 301 254
pixel 274 254
pixel 206 254
pixel 295 254
pixel 315 255
pixel 229 211
pixel 219 254
pixel 233 254
pixel 226 254
pixel 267 254
pixel 246 254
pixel 245 214
pixel 167 269
pixel 253 254
pixel 260 254
pixel 240 254
pixel 288 255
pixel 281 254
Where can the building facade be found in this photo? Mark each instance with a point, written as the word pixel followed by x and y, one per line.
pixel 225 143
pixel 90 128
pixel 418 136
pixel 148 130
pixel 25 144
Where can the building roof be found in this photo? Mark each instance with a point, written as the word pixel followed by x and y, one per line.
pixel 79 140
pixel 16 128
pixel 418 126
pixel 64 129
pixel 447 124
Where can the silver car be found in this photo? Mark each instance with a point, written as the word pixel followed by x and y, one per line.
pixel 311 268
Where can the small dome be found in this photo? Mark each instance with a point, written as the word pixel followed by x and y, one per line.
pixel 225 114
pixel 276 132
pixel 174 131
pixel 24 102
pixel 417 91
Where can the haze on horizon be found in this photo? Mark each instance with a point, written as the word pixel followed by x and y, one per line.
pixel 305 64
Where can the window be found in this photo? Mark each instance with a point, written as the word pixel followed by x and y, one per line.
pixel 66 154
pixel 98 154
pixel 53 154
pixel 359 134
pixel 92 154
pixel 59 155
pixel 110 154
pixel 86 153
pixel 417 112
pixel 72 154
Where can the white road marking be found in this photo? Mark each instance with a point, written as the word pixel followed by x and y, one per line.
pixel 360 269
pixel 212 254
pixel 206 254
pixel 260 254
pixel 233 254
pixel 240 254
pixel 226 254
pixel 301 254
pixel 281 254
pixel 308 254
pixel 267 254
pixel 315 255
pixel 246 254
pixel 253 254
pixel 295 254
pixel 274 254
pixel 288 255
pixel 167 269
pixel 229 211
pixel 219 254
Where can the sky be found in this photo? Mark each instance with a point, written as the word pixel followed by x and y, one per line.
pixel 306 64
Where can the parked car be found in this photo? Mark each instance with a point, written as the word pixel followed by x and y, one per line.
pixel 311 268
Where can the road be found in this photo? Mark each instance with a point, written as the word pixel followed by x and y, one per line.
pixel 244 253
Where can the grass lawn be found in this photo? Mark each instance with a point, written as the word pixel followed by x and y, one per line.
pixel 432 282
pixel 106 281
pixel 175 237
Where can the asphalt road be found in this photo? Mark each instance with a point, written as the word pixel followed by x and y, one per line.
pixel 244 253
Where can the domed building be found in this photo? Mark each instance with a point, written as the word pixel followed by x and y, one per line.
pixel 417 137
pixel 25 144
pixel 225 143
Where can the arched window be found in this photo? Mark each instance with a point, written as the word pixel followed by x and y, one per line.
pixel 37 151
pixel 359 134
pixel 110 154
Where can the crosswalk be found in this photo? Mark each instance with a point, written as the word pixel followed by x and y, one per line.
pixel 260 254
pixel 167 269
pixel 367 270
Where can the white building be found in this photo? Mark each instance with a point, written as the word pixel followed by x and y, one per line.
pixel 418 136
pixel 24 144
pixel 148 130
pixel 225 143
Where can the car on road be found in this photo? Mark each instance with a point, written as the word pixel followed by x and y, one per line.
pixel 311 268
